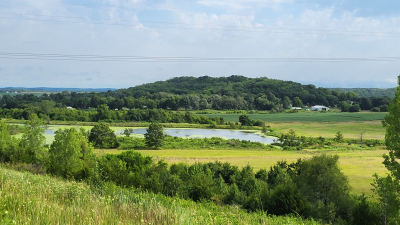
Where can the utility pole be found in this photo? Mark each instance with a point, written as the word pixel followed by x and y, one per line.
pixel 361 141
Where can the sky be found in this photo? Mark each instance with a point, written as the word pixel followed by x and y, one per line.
pixel 93 43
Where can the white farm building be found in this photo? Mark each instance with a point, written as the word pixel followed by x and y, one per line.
pixel 319 108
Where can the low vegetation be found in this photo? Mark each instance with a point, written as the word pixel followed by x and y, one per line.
pixel 36 199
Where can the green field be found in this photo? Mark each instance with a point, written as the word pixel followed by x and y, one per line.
pixel 306 117
pixel 358 165
pixel 352 129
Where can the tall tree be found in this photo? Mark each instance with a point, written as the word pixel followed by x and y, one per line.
pixel 388 188
pixel 155 135
pixel 68 153
pixel 33 140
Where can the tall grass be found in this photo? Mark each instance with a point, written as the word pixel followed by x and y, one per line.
pixel 35 199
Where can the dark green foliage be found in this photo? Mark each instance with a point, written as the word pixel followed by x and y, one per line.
pixel 387 189
pixel 298 103
pixel 102 136
pixel 244 120
pixel 70 155
pixel 339 137
pixel 323 184
pixel 354 108
pixel 366 212
pixel 365 103
pixel 190 93
pixel 286 199
pixel 155 135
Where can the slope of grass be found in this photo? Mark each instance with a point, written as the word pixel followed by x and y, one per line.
pixel 35 199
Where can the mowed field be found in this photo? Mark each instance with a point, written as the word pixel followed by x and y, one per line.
pixel 315 124
pixel 306 117
pixel 358 165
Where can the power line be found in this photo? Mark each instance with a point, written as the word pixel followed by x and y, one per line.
pixel 246 28
pixel 202 24
pixel 184 59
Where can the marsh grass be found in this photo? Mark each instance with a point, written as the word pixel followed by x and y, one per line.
pixel 35 199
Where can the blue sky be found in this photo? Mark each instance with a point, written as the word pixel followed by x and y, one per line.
pixel 199 28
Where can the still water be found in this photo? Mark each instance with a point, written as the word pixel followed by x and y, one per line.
pixel 202 133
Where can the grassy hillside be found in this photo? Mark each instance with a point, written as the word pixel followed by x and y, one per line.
pixel 35 199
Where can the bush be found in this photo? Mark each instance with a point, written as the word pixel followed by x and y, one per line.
pixel 375 109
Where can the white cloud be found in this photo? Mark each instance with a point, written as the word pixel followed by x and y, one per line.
pixel 215 33
pixel 243 4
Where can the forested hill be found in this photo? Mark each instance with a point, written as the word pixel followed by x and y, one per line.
pixel 229 86
pixel 369 92
pixel 191 93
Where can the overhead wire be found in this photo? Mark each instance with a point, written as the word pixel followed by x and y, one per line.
pixel 184 59
pixel 208 26
pixel 201 24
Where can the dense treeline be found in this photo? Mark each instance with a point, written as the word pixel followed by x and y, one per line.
pixel 312 188
pixel 369 92
pixel 225 93
pixel 102 113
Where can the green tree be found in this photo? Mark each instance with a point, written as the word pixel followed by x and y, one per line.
pixel 103 136
pixel 325 186
pixel 392 136
pixel 128 132
pixel 344 106
pixel 297 102
pixel 155 135
pixel 354 108
pixel 245 120
pixel 47 106
pixel 33 140
pixel 286 102
pixel 68 154
pixel 365 103
pixel 388 188
pixel 8 144
pixel 339 137
pixel 102 112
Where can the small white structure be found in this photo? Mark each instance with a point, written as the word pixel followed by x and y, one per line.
pixel 69 107
pixel 319 108
pixel 298 108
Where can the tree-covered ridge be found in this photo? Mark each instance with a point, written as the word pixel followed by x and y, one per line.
pixel 229 86
pixel 369 92
pixel 190 93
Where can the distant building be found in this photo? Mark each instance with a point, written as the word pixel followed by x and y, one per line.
pixel 298 108
pixel 69 107
pixel 319 108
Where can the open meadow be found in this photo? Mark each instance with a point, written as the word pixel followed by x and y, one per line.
pixel 358 165
pixel 307 117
